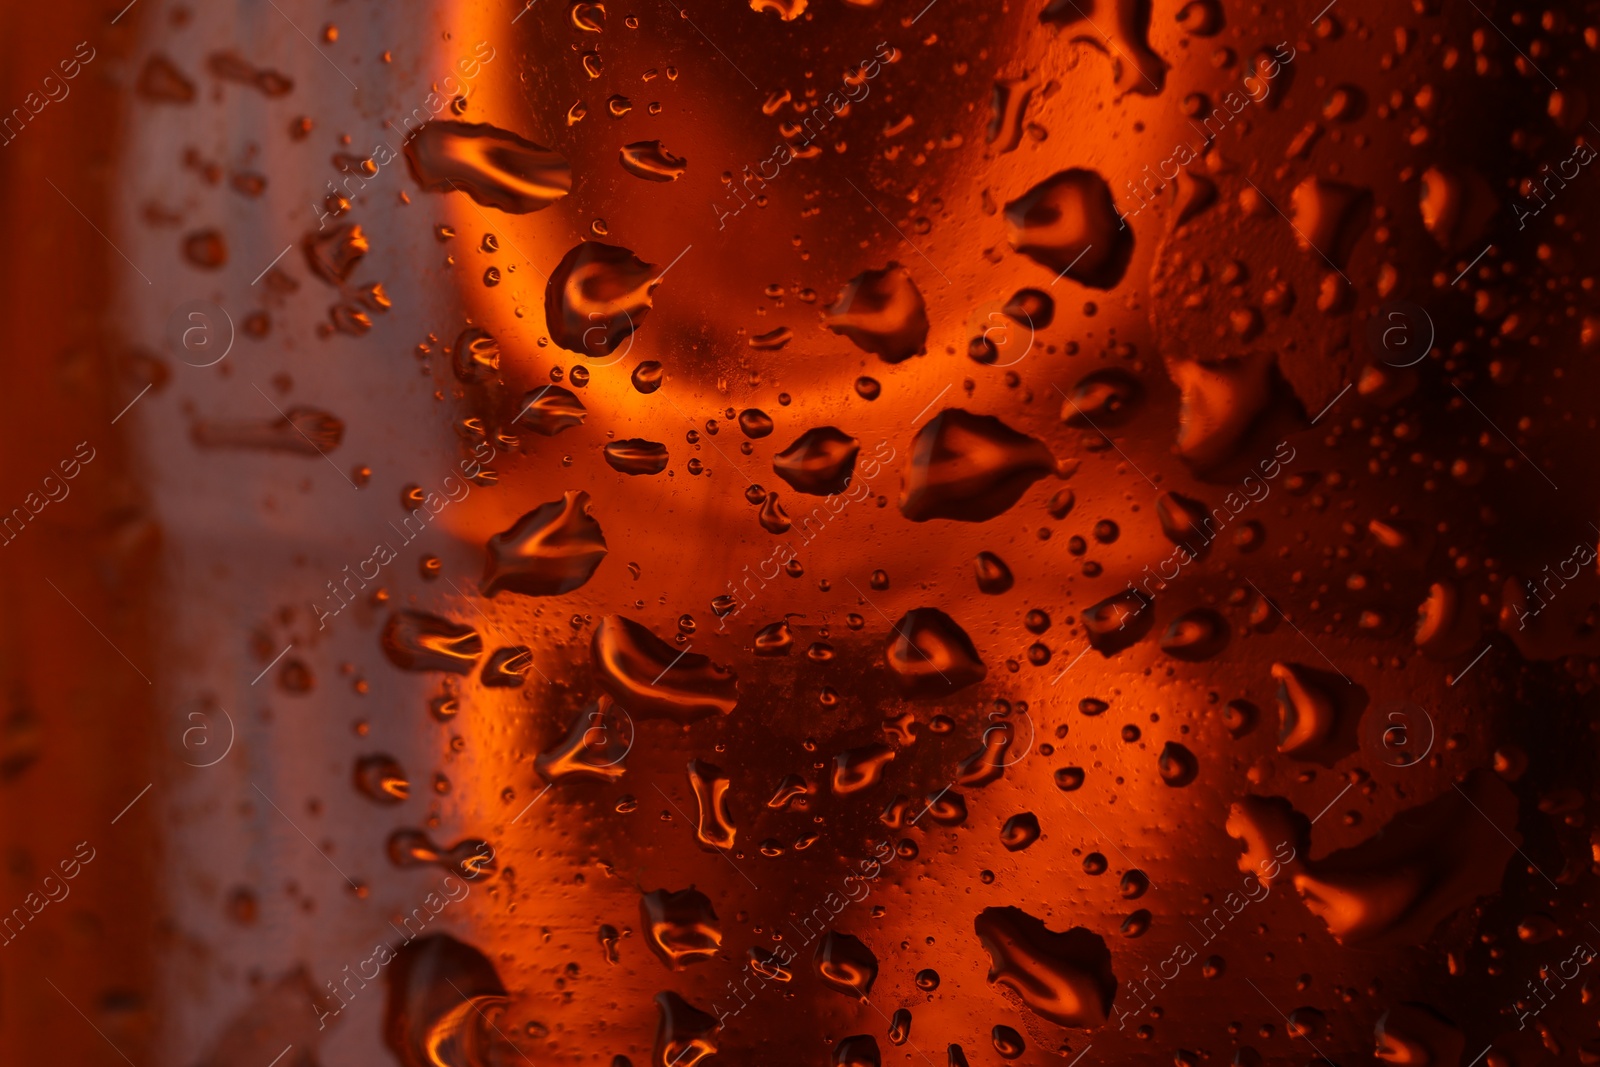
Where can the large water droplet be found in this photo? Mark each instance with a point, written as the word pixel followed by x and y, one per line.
pixel 714 826
pixel 1328 217
pixel 1065 978
pixel 680 927
pixel 1069 225
pixel 475 355
pixel 596 297
pixel 1196 635
pixel 685 1035
pixel 820 462
pixel 551 550
pixel 930 656
pixel 861 768
pixel 1106 397
pixel 440 992
pixel 845 964
pixel 415 641
pixel 636 456
pixel 596 743
pixel 495 167
pixel 648 677
pixel 882 312
pixel 857 1050
pixel 1121 30
pixel 969 468
pixel 550 409
pixel 333 255
pixel 1317 712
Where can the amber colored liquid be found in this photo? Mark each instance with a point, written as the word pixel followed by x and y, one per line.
pixel 809 532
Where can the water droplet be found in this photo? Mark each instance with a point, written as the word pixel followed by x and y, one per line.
pixel 1064 978
pixel 773 518
pixel 970 468
pixel 1196 635
pixel 206 249
pixel 860 768
pixel 1020 831
pixel 1201 18
pixel 1031 307
pixel 772 340
pixel 787 10
pixel 551 550
pixel 685 1035
pixel 161 80
pixel 1418 1034
pixel 649 677
pixel 1118 621
pixel 440 994
pixel 680 927
pixel 774 639
pixel 820 462
pixel 596 297
pixel 495 167
pixel 1069 225
pixel 230 66
pixel 476 356
pixel 333 255
pixel 651 161
pixel 994 577
pixel 988 763
pixel 647 377
pixel 636 456
pixel 551 409
pixel 882 312
pixel 587 17
pixel 1106 397
pixel 845 964
pixel 381 778
pixel 1007 1042
pixel 1178 765
pixel 507 667
pixel 930 656
pixel 470 858
pixel 714 827
pixel 858 1050
pixel 414 641
pixel 755 423
pixel 1329 217
pixel 1457 207
pixel 1311 714
pixel 596 743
